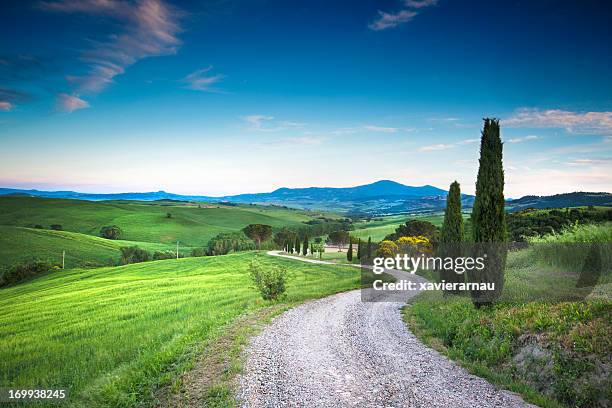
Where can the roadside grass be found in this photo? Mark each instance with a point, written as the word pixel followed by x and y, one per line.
pixel 545 339
pixel 20 244
pixel 113 336
pixel 145 221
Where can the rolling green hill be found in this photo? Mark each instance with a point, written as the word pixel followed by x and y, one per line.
pixel 20 244
pixel 112 335
pixel 144 221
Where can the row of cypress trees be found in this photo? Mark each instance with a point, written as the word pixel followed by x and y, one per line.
pixel 367 253
pixel 488 218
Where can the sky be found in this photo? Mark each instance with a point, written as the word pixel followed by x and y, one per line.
pixel 226 97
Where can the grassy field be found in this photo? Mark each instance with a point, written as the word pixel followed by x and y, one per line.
pixel 144 221
pixel 112 336
pixel 380 227
pixel 20 244
pixel 546 338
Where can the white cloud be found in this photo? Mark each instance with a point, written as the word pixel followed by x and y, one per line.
pixel 420 3
pixel 573 122
pixel 606 161
pixel 389 20
pixel 303 140
pixel 6 106
pixel 380 129
pixel 523 139
pixel 468 141
pixel 70 103
pixel 200 81
pixel 436 147
pixel 150 29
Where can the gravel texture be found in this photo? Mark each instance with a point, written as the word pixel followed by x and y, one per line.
pixel 342 352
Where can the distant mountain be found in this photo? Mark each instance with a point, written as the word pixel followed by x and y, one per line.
pixel 561 200
pixel 379 198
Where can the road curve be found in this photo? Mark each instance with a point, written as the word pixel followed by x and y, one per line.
pixel 341 352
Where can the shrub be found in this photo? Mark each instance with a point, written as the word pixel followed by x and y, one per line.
pixel 38 226
pixel 198 252
pixel 133 254
pixel 110 232
pixel 24 270
pixel 229 241
pixel 270 281
pixel 168 215
pixel 414 228
pixel 157 255
pixel 387 249
pixel 56 227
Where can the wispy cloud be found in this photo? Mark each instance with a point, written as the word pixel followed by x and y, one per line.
pixel 70 103
pixel 6 106
pixel 267 123
pixel 150 29
pixel 607 161
pixel 468 141
pixel 257 121
pixel 303 140
pixel 388 20
pixel 436 147
pixel 573 122
pixel 523 139
pixel 201 81
pixel 381 129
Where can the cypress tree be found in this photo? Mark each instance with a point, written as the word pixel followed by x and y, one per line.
pixel 349 254
pixel 297 245
pixel 359 248
pixel 305 246
pixel 489 215
pixel 369 249
pixel 452 232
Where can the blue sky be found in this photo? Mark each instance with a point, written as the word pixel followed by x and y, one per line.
pixel 227 97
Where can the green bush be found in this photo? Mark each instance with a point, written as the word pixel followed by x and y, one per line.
pixel 133 254
pixel 157 255
pixel 56 227
pixel 270 281
pixel 24 270
pixel 110 232
pixel 198 252
pixel 227 242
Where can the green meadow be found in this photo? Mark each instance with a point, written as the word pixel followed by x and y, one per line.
pixel 114 335
pixel 378 228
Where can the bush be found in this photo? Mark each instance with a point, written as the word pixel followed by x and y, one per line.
pixel 133 254
pixel 24 270
pixel 198 252
pixel 56 227
pixel 157 255
pixel 38 226
pixel 229 241
pixel 110 232
pixel 270 281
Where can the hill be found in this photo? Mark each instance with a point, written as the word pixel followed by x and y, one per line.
pixel 144 221
pixel 575 199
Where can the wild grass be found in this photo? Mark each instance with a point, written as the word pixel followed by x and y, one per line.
pixel 112 336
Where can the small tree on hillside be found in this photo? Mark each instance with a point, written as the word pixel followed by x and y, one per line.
pixel 339 238
pixel 349 254
pixel 452 232
pixel 110 232
pixel 305 246
pixel 359 248
pixel 489 215
pixel 258 233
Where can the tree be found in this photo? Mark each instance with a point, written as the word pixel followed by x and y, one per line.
pixel 56 227
pixel 452 232
pixel 489 215
pixel 226 242
pixel 297 245
pixel 349 254
pixel 339 238
pixel 369 249
pixel 269 280
pixel 258 233
pixel 415 228
pixel 168 215
pixel 305 246
pixel 283 237
pixel 110 232
pixel 133 254
pixel 359 248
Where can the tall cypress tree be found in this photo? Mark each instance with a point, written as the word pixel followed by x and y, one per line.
pixel 297 245
pixel 349 254
pixel 359 248
pixel 305 246
pixel 452 232
pixel 489 215
pixel 369 249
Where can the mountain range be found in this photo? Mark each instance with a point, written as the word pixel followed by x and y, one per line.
pixel 378 198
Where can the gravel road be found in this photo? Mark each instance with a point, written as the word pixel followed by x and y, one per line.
pixel 342 352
